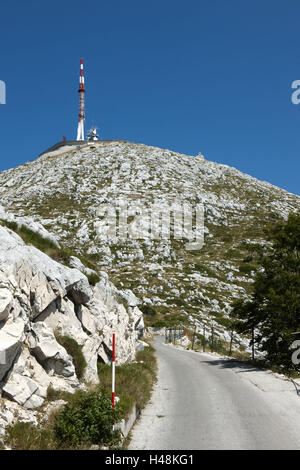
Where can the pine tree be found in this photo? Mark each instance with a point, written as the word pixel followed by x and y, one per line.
pixel 273 312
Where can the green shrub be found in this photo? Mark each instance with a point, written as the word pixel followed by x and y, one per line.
pixel 88 419
pixel 147 310
pixel 73 348
pixel 93 279
pixel 159 324
pixel 227 238
pixel 246 268
pixel 179 302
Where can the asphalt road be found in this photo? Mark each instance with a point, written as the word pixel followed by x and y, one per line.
pixel 203 401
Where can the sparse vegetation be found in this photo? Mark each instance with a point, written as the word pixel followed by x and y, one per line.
pixel 93 279
pixel 134 381
pixel 73 348
pixel 176 295
pixel 88 420
pixel 147 310
pixel 26 436
pixel 47 246
pixel 246 268
pixel 30 237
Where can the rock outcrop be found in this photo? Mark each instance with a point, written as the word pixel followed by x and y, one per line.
pixel 41 299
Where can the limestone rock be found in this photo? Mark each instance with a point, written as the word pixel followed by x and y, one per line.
pixel 129 297
pixel 11 337
pixel 141 345
pixel 76 263
pixel 87 320
pixel 48 352
pixel 6 300
pixel 24 391
pixel 11 412
pixel 81 292
pixel 90 352
pixel 60 316
pixel 38 297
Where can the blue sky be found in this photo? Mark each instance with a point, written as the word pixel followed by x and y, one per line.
pixel 195 75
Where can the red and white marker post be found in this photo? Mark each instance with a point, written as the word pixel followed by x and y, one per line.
pixel 113 370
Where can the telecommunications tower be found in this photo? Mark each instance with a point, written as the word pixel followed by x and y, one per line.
pixel 81 91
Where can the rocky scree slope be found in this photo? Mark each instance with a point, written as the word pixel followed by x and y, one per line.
pixel 63 192
pixel 39 298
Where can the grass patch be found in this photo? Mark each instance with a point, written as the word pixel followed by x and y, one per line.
pixel 232 254
pixel 134 381
pixel 30 237
pixel 93 278
pixel 47 246
pixel 25 436
pixel 73 348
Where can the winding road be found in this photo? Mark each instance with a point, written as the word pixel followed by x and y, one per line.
pixel 204 401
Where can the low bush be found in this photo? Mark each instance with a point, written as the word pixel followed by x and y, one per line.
pixel 74 349
pixel 159 324
pixel 147 310
pixel 88 419
pixel 246 268
pixel 93 279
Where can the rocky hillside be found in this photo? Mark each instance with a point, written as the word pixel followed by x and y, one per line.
pixel 63 193
pixel 42 300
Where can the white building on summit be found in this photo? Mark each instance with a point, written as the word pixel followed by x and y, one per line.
pixel 92 135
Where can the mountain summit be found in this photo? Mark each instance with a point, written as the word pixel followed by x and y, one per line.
pixel 63 191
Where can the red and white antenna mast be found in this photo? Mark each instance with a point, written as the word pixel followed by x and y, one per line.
pixel 81 91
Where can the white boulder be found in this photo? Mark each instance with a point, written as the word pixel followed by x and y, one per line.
pixel 11 337
pixel 53 357
pixel 6 301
